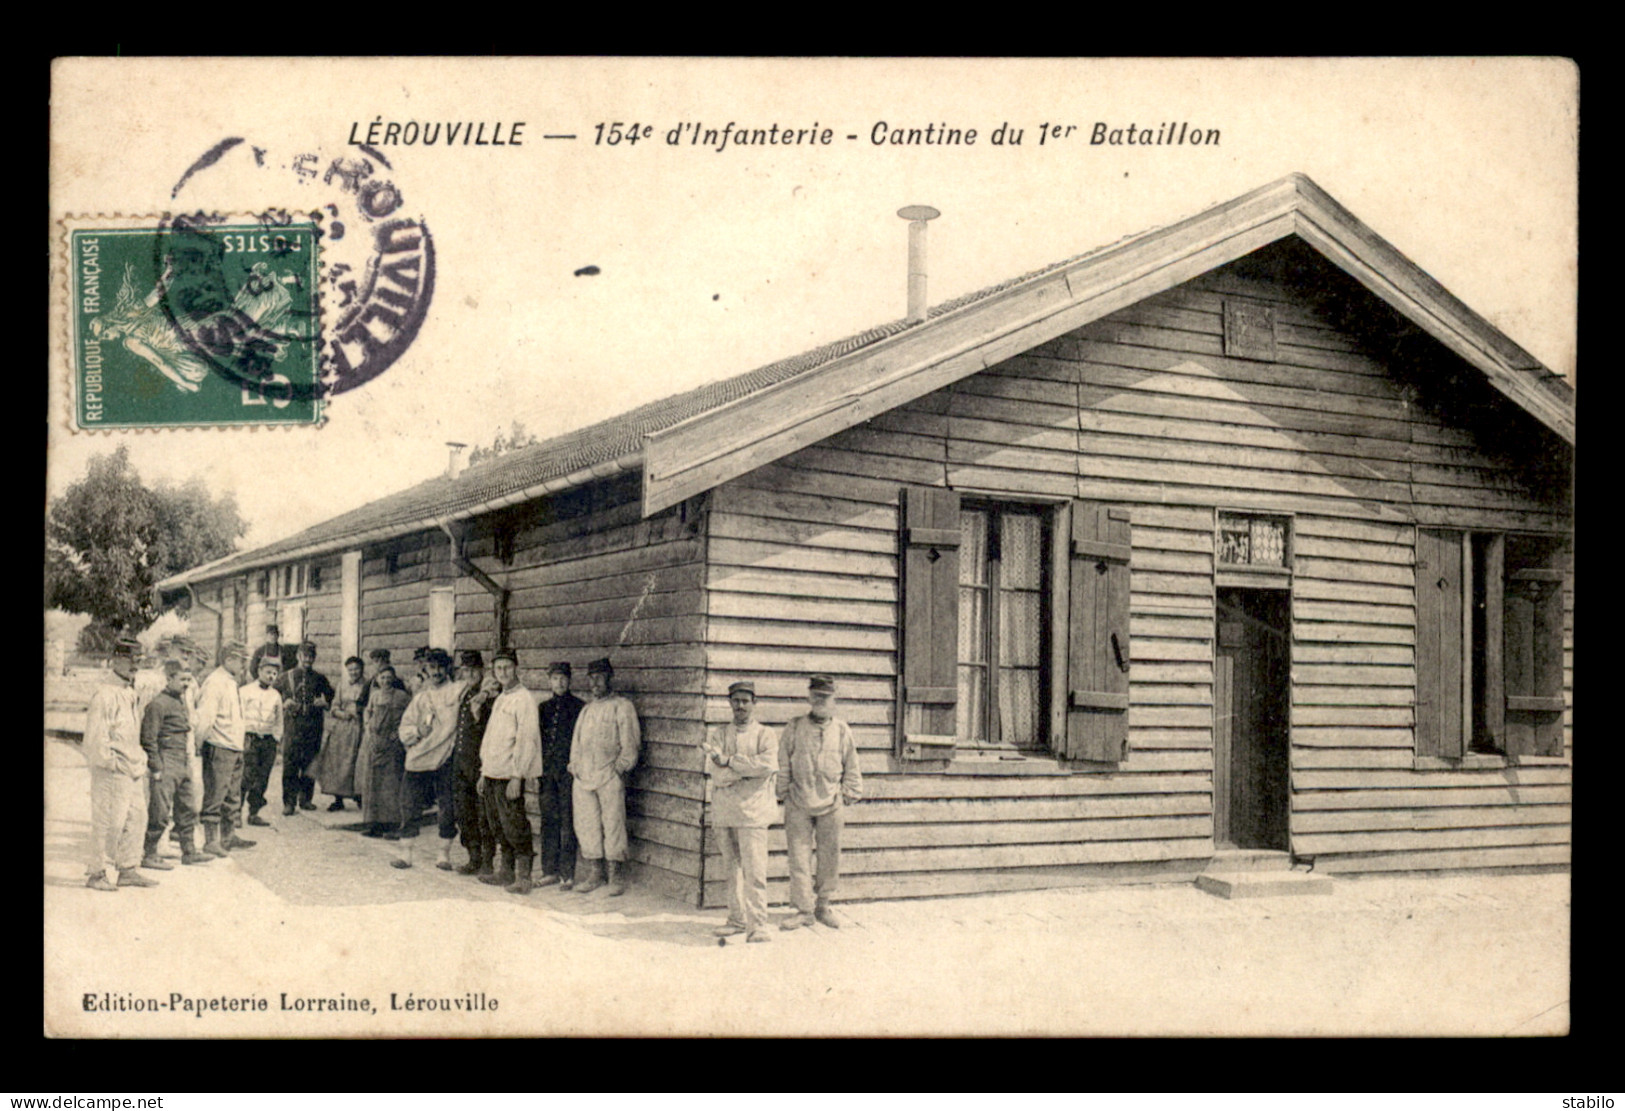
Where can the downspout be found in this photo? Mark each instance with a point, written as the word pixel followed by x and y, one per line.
pixel 219 621
pixel 498 592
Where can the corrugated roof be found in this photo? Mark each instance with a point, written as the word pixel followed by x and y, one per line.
pixel 567 454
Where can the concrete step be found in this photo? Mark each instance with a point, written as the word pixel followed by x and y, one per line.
pixel 1249 860
pixel 1254 885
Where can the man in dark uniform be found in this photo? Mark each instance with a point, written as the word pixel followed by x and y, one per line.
pixel 558 721
pixel 306 697
pixel 166 735
pixel 473 711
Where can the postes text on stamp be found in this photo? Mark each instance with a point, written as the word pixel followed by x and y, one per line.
pixel 192 321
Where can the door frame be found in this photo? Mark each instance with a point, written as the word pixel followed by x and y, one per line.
pixel 1224 737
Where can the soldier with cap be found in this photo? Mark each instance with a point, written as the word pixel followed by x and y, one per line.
pixel 603 751
pixel 818 776
pixel 306 697
pixel 743 763
pixel 414 677
pixel 262 734
pixel 428 731
pixel 218 729
pixel 166 735
pixel 283 654
pixel 118 777
pixel 558 716
pixel 473 711
pixel 510 753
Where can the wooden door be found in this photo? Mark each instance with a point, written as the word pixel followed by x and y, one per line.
pixel 1250 705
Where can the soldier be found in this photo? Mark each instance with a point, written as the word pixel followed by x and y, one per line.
pixel 262 734
pixel 274 648
pixel 306 696
pixel 473 711
pixel 218 729
pixel 427 732
pixel 603 751
pixel 558 722
pixel 818 776
pixel 166 734
pixel 510 753
pixel 118 777
pixel 743 762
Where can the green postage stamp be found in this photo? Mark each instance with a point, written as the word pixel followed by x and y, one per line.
pixel 194 321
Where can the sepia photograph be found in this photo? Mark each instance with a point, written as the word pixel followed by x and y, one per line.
pixel 809 547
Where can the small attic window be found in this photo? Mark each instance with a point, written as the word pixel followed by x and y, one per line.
pixel 1249 330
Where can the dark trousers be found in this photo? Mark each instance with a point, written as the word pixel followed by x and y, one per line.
pixel 508 816
pixel 558 828
pixel 171 794
pixel 479 836
pixel 259 756
pixel 422 788
pixel 297 754
pixel 222 787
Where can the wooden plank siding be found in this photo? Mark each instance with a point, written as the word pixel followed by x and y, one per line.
pixel 1144 408
pixel 604 582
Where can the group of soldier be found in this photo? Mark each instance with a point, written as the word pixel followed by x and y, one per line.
pixel 469 743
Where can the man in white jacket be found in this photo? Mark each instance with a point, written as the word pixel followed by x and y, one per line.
pixel 742 759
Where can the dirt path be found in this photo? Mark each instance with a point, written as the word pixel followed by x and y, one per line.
pixel 316 912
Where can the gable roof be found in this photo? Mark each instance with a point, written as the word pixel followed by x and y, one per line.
pixel 690 442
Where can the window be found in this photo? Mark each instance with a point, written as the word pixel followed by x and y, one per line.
pixel 1003 584
pixel 1489 644
pixel 1014 627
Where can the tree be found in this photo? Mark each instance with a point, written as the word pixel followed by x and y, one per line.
pixel 110 537
pixel 517 437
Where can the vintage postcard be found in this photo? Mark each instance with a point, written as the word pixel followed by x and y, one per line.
pixel 809 547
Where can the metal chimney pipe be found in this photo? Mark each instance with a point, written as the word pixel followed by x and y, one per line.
pixel 455 464
pixel 917 215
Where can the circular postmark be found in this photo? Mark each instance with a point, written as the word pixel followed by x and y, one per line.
pixel 376 278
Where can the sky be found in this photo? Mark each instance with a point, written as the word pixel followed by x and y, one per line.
pixel 712 262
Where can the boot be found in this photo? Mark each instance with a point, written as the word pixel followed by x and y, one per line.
pixel 594 877
pixel 149 856
pixel 488 862
pixel 444 863
pixel 129 877
pixel 617 877
pixel 254 818
pixel 211 842
pixel 407 846
pixel 338 803
pixel 476 858
pixel 503 876
pixel 229 839
pixel 521 882
pixel 190 855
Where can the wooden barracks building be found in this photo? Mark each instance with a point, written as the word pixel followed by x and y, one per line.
pixel 1240 534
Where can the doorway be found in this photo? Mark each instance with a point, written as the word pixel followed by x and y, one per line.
pixel 1252 662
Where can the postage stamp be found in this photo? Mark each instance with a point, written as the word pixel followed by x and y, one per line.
pixel 194 321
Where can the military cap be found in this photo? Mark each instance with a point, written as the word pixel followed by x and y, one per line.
pixel 506 654
pixel 381 655
pixel 437 656
pixel 420 654
pixel 272 659
pixel 126 646
pixel 235 648
pixel 600 667
pixel 744 685
pixel 821 684
pixel 308 646
pixel 273 629
pixel 559 667
pixel 470 657
pixel 173 668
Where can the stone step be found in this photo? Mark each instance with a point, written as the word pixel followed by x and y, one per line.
pixel 1249 860
pixel 1254 885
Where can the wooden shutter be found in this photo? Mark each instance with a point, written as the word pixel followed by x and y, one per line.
pixel 1533 662
pixel 1439 608
pixel 1098 653
pixel 930 681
